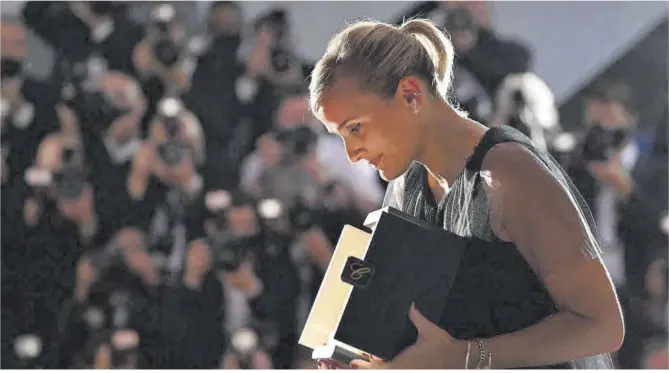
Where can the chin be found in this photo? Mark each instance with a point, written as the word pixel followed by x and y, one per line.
pixel 389 174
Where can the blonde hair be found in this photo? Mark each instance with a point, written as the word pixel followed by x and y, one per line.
pixel 379 55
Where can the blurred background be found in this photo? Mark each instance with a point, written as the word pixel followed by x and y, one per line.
pixel 168 201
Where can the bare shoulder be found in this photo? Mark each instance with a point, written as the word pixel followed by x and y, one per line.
pixel 514 165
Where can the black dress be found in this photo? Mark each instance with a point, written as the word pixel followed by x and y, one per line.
pixel 495 291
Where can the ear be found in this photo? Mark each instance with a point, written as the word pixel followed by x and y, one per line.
pixel 410 89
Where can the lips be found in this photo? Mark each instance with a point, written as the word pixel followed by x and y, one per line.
pixel 376 161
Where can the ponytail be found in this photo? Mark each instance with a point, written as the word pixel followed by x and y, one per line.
pixel 438 47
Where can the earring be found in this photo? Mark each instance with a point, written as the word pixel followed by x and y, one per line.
pixel 415 103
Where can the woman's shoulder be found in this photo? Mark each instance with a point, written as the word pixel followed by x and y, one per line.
pixel 513 161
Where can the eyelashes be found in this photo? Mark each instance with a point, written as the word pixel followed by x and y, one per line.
pixel 354 129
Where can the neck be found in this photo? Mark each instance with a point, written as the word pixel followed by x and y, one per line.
pixel 449 139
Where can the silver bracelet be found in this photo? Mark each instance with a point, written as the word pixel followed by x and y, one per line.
pixel 482 354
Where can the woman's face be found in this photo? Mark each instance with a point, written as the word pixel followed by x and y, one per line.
pixel 384 133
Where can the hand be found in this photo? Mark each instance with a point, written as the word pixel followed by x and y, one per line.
pixel 86 275
pixel 139 262
pixel 330 364
pixel 317 246
pixel 259 61
pixel 31 211
pixel 434 349
pixel 244 279
pixel 612 173
pixel 182 174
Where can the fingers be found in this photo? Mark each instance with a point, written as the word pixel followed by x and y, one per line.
pixel 360 364
pixel 426 328
pixel 325 364
pixel 420 322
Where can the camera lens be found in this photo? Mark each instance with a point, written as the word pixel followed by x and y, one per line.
pixel 171 152
pixel 10 68
pixel 167 52
pixel 281 60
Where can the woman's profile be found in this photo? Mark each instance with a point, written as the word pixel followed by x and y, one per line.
pixel 542 297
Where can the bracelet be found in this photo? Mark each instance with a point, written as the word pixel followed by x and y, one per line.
pixel 469 347
pixel 482 354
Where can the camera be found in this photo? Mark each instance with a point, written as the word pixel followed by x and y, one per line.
pixel 229 250
pixel 108 260
pixel 70 179
pixel 302 217
pixel 173 150
pixel 459 19
pixel 10 68
pixel 281 56
pixel 166 50
pixel 298 141
pixel 109 326
pixel 94 108
pixel 601 142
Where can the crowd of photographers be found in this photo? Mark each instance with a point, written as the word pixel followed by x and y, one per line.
pixel 168 202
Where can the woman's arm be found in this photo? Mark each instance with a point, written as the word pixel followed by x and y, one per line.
pixel 540 219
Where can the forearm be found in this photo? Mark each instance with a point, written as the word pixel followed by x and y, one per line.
pixel 563 337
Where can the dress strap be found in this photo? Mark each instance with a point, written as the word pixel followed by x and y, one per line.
pixel 492 137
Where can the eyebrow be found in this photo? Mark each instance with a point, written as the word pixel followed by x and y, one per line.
pixel 342 124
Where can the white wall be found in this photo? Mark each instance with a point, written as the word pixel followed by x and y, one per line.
pixel 574 40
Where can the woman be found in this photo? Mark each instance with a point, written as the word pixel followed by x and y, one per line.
pixel 543 296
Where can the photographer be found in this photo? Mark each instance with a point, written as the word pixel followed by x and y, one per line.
pixel 161 60
pixel 26 107
pixel 273 55
pixel 253 250
pixel 626 189
pixel 82 30
pixel 229 102
pixel 106 114
pixel 54 226
pixel 480 51
pixel 164 186
pixel 189 333
pixel 61 176
pixel 525 103
pixel 482 58
pixel 117 293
